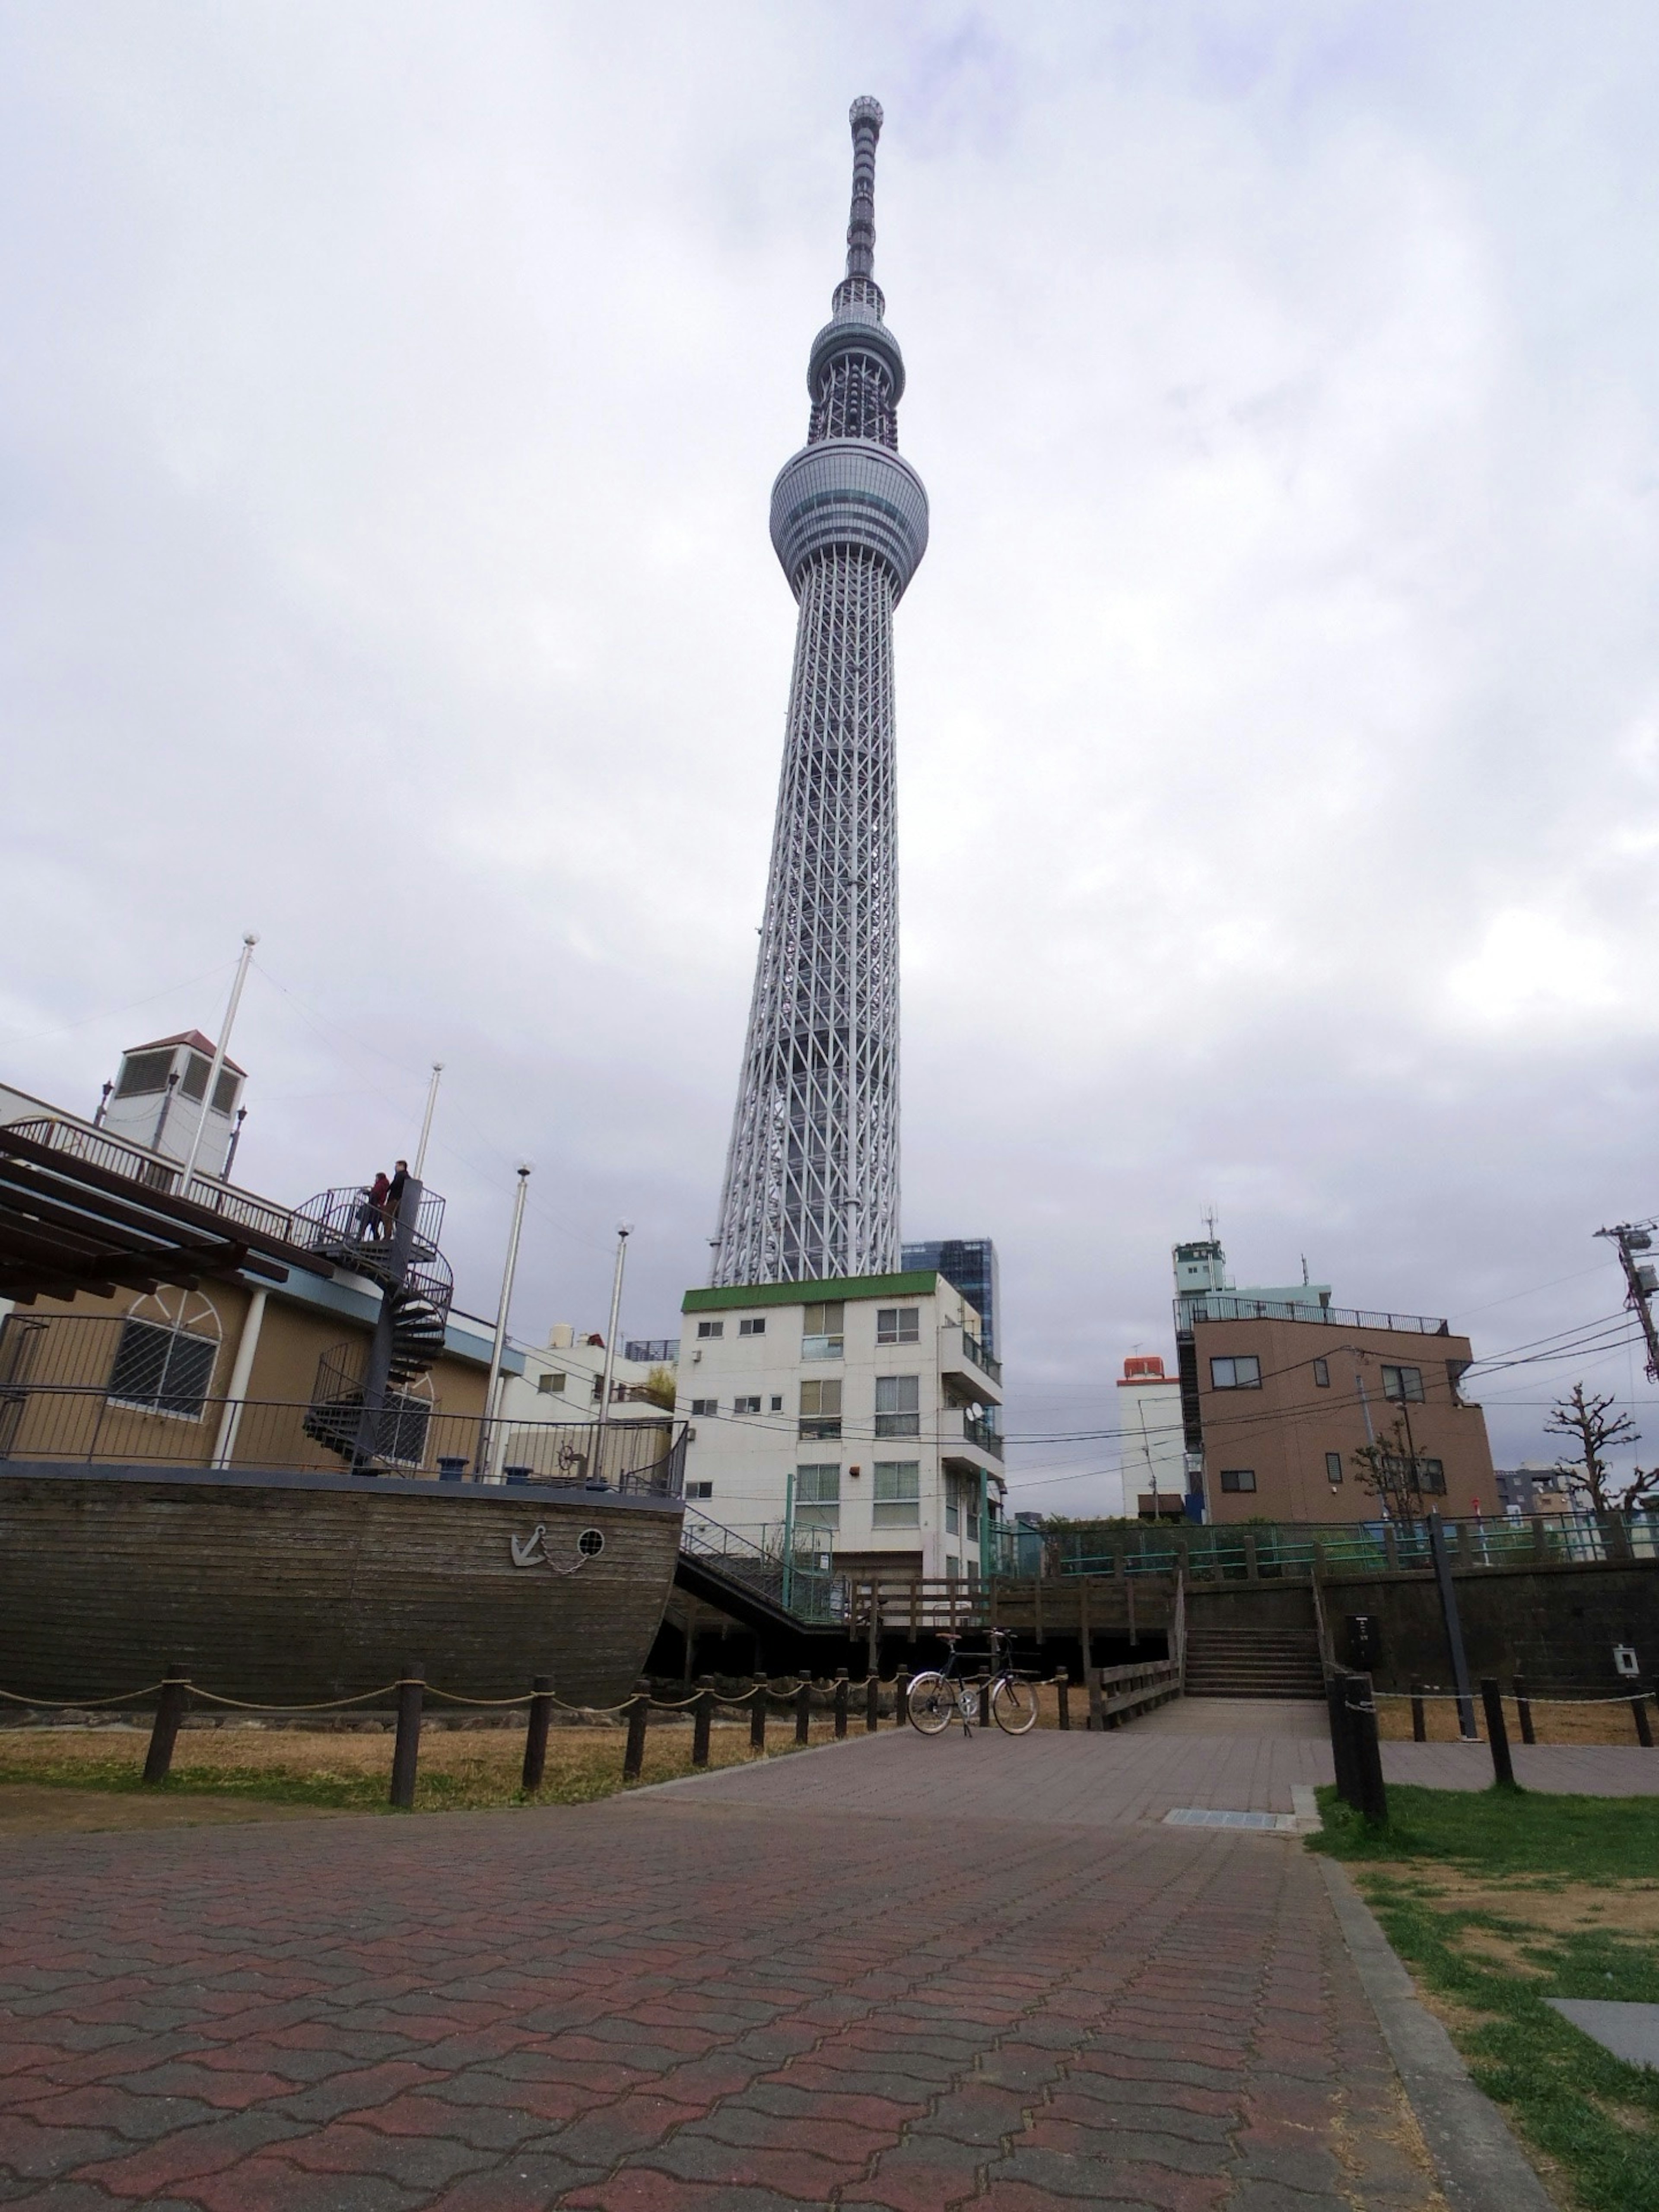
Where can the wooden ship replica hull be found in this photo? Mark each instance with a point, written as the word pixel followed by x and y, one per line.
pixel 294 1589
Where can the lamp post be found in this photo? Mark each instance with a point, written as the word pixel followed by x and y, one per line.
pixel 214 1073
pixel 624 1230
pixel 493 1389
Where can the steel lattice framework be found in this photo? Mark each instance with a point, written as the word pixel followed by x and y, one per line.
pixel 812 1188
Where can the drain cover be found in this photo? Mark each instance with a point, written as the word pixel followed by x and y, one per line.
pixel 1203 1816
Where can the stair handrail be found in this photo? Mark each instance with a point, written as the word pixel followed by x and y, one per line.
pixel 1178 1623
pixel 1321 1628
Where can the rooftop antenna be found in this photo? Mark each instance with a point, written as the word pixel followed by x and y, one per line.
pixel 1210 1222
pixel 1304 1271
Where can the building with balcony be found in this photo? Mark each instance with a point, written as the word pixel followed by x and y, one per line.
pixel 970 1264
pixel 563 1380
pixel 1150 1441
pixel 1280 1391
pixel 856 1418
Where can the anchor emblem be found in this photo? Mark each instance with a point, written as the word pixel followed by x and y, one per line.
pixel 531 1552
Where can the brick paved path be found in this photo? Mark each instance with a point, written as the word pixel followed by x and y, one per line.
pixel 680 2002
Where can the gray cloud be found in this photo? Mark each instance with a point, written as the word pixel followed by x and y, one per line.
pixel 387 409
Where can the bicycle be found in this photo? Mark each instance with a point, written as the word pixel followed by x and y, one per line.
pixel 939 1695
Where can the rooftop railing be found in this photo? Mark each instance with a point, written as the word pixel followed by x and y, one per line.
pixel 1214 1305
pixel 653 1351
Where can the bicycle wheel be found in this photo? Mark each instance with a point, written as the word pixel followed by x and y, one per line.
pixel 1013 1705
pixel 933 1702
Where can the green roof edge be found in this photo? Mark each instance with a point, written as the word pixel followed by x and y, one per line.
pixel 919 1282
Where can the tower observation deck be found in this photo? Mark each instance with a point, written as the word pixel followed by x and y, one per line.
pixel 811 1189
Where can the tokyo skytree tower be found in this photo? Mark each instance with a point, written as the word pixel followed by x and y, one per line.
pixel 811 1187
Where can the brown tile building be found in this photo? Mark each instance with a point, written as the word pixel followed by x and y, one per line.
pixel 1277 1396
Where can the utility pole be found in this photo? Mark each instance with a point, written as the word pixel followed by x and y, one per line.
pixel 217 1069
pixel 492 1394
pixel 1641 1279
pixel 426 1125
pixel 624 1230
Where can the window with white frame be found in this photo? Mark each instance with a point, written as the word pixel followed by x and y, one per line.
pixel 897 1494
pixel 1401 1383
pixel 163 1371
pixel 1239 1478
pixel 817 1497
pixel 745 1405
pixel 1241 1372
pixel 777 1404
pixel 898 1325
pixel 1322 1374
pixel 898 1403
pixel 820 1409
pixel 711 1328
pixel 1333 1468
pixel 754 1325
pixel 823 1331
pixel 550 1384
pixel 707 1408
pixel 700 1490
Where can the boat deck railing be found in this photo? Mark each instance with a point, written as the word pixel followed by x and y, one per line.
pixel 161 1416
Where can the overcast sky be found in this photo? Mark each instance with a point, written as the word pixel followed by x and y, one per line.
pixel 390 397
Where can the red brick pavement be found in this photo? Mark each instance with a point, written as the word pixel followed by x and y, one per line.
pixel 680 2004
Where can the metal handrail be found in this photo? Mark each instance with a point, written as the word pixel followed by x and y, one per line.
pixel 1223 1306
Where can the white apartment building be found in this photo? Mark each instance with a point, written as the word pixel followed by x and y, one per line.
pixel 563 1380
pixel 1152 1455
pixel 855 1417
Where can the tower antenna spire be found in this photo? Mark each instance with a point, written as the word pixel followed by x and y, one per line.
pixel 865 118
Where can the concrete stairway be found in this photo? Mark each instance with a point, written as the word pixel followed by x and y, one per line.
pixel 1253 1662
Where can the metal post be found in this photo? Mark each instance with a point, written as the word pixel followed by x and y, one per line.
pixel 1063 1684
pixel 757 1715
pixel 1368 1752
pixel 701 1718
pixel 170 1710
pixel 1638 1708
pixel 872 1702
pixel 1443 1575
pixel 902 1698
pixel 624 1228
pixel 419 1168
pixel 236 1389
pixel 494 1386
pixel 1342 1748
pixel 1419 1725
pixel 217 1067
pixel 803 1710
pixel 406 1752
pixel 1498 1733
pixel 841 1705
pixel 535 1734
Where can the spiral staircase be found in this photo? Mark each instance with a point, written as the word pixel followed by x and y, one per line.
pixel 401 1257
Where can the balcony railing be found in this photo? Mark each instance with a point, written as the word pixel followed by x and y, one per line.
pixel 974 1350
pixel 63 1423
pixel 653 1351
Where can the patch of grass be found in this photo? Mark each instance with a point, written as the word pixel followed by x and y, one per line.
pixel 1505 1831
pixel 1492 1971
pixel 460 1770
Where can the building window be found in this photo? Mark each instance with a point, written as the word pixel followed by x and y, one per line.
pixel 777 1405
pixel 745 1405
pixel 598 1391
pixel 952 1513
pixel 823 1331
pixel 820 1409
pixel 700 1490
pixel 754 1327
pixel 1322 1374
pixel 1334 1466
pixel 897 1502
pixel 817 1497
pixel 953 1569
pixel 708 1409
pixel 1403 1383
pixel 711 1328
pixel 898 1405
pixel 1239 1478
pixel 550 1383
pixel 898 1325
pixel 1432 1477
pixel 1242 1372
pixel 163 1371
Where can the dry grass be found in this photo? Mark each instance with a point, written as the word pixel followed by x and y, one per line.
pixel 460 1768
pixel 1554 1723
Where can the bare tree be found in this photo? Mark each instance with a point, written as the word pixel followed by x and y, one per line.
pixel 1585 1419
pixel 1389 1469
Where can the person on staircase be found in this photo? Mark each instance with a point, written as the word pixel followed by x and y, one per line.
pixel 394 1196
pixel 371 1215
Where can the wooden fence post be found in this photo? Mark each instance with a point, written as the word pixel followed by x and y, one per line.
pixel 757 1715
pixel 639 1713
pixel 701 1718
pixel 902 1698
pixel 803 1710
pixel 170 1708
pixel 1097 1700
pixel 1639 1707
pixel 1063 1684
pixel 872 1702
pixel 406 1751
pixel 1498 1733
pixel 1368 1751
pixel 1523 1707
pixel 535 1734
pixel 1419 1720
pixel 841 1705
